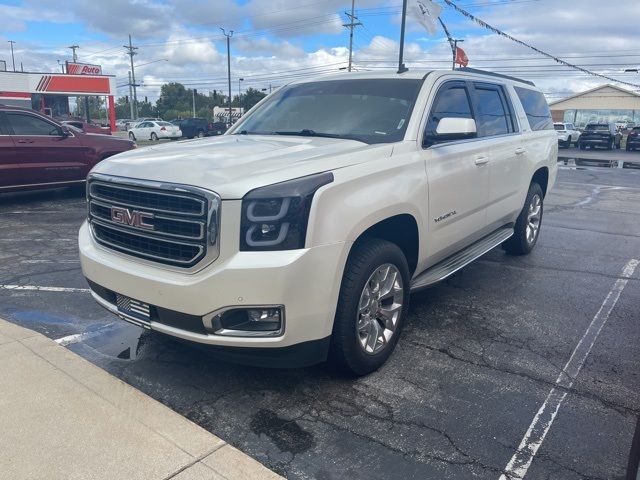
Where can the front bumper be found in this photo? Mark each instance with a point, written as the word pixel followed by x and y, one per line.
pixel 306 282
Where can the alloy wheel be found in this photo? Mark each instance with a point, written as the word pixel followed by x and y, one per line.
pixel 379 309
pixel 534 215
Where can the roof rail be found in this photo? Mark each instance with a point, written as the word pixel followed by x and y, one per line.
pixel 493 74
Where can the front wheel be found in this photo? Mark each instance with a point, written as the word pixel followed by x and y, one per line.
pixel 200 134
pixel 372 306
pixel 132 137
pixel 527 227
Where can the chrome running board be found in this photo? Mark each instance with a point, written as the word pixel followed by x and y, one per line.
pixel 455 262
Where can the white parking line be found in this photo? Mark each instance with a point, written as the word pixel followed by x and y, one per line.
pixel 79 337
pixel 521 460
pixel 43 289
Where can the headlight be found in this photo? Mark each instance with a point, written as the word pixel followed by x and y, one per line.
pixel 275 217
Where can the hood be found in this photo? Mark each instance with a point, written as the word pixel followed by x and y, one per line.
pixel 232 165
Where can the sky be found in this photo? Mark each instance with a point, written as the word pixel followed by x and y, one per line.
pixel 276 41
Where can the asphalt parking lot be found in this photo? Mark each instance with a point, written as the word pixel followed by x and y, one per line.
pixel 478 358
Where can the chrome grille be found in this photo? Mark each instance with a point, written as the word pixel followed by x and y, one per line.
pixel 179 227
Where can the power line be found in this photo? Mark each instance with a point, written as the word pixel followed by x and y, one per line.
pixel 531 47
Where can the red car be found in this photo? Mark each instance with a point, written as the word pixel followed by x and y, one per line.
pixel 38 152
pixel 87 127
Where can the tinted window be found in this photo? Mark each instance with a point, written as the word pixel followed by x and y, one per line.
pixel 452 101
pixel 371 111
pixel 558 126
pixel 25 124
pixel 598 126
pixel 536 108
pixel 492 116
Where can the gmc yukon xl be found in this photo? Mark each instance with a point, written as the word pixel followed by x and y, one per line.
pixel 298 236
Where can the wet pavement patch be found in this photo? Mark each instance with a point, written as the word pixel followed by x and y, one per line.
pixel 286 434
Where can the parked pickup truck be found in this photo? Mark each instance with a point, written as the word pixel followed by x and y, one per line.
pixel 38 152
pixel 298 235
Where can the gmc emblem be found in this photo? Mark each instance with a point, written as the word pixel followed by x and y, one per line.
pixel 133 218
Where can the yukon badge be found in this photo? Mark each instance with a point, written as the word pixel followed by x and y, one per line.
pixel 445 216
pixel 133 218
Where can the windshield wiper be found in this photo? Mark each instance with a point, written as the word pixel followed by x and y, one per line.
pixel 306 132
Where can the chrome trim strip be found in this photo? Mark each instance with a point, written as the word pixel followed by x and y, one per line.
pixel 68 182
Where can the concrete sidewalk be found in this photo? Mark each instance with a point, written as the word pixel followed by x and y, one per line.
pixel 61 417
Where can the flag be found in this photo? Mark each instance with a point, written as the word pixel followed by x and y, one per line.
pixel 461 57
pixel 427 13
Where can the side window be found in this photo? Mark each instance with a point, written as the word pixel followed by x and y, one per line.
pixel 536 108
pixel 494 117
pixel 452 100
pixel 25 124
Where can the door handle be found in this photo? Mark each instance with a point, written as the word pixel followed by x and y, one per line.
pixel 520 151
pixel 481 161
pixel 25 141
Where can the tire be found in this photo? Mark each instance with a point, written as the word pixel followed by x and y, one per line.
pixel 581 146
pixel 610 145
pixel 567 143
pixel 200 134
pixel 523 241
pixel 359 351
pixel 132 137
pixel 154 137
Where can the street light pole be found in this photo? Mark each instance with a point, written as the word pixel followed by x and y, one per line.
pixel 13 60
pixel 240 91
pixel 228 35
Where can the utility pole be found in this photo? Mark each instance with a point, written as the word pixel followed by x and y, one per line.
pixel 130 98
pixel 401 67
pixel 13 60
pixel 240 91
pixel 193 94
pixel 131 51
pixel 228 35
pixel 351 25
pixel 73 49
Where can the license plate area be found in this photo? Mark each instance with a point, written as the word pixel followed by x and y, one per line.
pixel 133 311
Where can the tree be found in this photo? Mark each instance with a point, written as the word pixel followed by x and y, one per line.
pixel 250 97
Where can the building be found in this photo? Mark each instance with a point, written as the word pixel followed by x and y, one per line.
pixel 606 103
pixel 49 93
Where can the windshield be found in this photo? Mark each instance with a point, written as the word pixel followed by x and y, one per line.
pixel 165 124
pixel 598 127
pixel 370 111
pixel 558 126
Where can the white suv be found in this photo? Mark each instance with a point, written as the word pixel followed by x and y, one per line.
pixel 567 134
pixel 298 236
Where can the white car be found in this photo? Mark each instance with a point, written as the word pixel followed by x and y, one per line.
pixel 154 130
pixel 567 134
pixel 299 235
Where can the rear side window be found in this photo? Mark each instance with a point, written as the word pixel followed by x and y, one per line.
pixel 25 124
pixel 452 101
pixel 494 113
pixel 536 108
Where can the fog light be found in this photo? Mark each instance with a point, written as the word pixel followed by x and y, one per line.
pixel 249 322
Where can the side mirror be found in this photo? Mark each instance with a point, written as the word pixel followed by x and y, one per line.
pixel 450 128
pixel 65 131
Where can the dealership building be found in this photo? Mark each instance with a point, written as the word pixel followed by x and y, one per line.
pixel 603 104
pixel 50 93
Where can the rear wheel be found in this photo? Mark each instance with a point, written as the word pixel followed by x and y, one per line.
pixel 132 136
pixel 527 227
pixel 581 146
pixel 200 134
pixel 154 137
pixel 372 306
